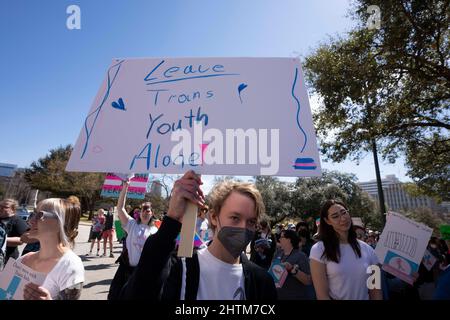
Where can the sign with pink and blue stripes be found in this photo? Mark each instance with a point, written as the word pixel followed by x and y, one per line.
pixel 217 116
pixel 113 185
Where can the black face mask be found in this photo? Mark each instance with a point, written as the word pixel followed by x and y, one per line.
pixel 235 239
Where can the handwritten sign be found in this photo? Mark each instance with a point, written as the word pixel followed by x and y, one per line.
pixel 113 185
pixel 14 277
pixel 239 116
pixel 402 246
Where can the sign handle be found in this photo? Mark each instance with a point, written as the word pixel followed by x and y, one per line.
pixel 188 231
pixel 187 234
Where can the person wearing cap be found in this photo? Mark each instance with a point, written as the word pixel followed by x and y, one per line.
pixel 263 246
pixel 291 226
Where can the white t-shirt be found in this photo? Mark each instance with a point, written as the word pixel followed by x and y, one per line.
pixel 137 235
pixel 218 280
pixel 67 272
pixel 347 280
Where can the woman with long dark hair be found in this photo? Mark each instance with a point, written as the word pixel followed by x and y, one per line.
pixel 339 260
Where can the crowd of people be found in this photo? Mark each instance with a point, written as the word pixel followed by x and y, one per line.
pixel 323 261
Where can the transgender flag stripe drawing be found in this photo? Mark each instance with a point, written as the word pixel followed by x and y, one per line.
pixel 305 164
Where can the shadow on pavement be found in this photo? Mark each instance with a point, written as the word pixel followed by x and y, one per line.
pixel 105 282
pixel 99 266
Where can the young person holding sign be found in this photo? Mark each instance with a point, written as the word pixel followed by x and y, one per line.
pixel 339 260
pixel 219 272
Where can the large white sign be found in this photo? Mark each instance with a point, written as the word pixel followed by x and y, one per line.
pixel 238 116
pixel 402 246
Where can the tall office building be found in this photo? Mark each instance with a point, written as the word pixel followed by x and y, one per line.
pixel 156 189
pixel 396 197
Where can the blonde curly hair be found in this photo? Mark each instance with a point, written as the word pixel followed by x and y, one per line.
pixel 222 191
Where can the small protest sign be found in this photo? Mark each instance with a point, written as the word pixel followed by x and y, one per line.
pixel 113 185
pixel 278 272
pixel 402 246
pixel 14 277
pixel 428 260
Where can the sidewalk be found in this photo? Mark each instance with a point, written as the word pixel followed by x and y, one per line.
pixel 99 271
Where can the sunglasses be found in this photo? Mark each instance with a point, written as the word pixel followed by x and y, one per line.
pixel 146 208
pixel 42 215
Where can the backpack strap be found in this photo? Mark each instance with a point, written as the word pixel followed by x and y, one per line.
pixel 192 278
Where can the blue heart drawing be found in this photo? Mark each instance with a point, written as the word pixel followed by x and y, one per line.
pixel 119 104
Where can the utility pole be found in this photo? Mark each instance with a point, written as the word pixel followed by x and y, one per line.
pixel 379 185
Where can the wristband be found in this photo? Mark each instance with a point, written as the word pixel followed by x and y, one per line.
pixel 294 270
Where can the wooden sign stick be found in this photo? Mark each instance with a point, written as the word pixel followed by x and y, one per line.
pixel 187 234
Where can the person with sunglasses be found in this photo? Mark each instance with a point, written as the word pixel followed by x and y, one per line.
pixel 137 233
pixel 339 260
pixel 298 285
pixel 55 224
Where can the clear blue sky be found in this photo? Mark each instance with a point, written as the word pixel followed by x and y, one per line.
pixel 51 74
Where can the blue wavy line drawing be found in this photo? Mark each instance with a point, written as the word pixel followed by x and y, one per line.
pixel 298 110
pixel 96 112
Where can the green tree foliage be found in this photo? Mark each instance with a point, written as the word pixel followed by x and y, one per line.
pixel 49 174
pixel 304 198
pixel 277 197
pixel 427 217
pixel 390 85
pixel 159 204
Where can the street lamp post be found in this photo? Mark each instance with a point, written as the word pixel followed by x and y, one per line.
pixel 379 184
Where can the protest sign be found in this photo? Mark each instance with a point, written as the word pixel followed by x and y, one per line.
pixel 402 246
pixel 428 260
pixel 113 185
pixel 14 277
pixel 278 272
pixel 238 116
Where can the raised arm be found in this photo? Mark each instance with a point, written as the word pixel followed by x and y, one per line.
pixel 122 213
